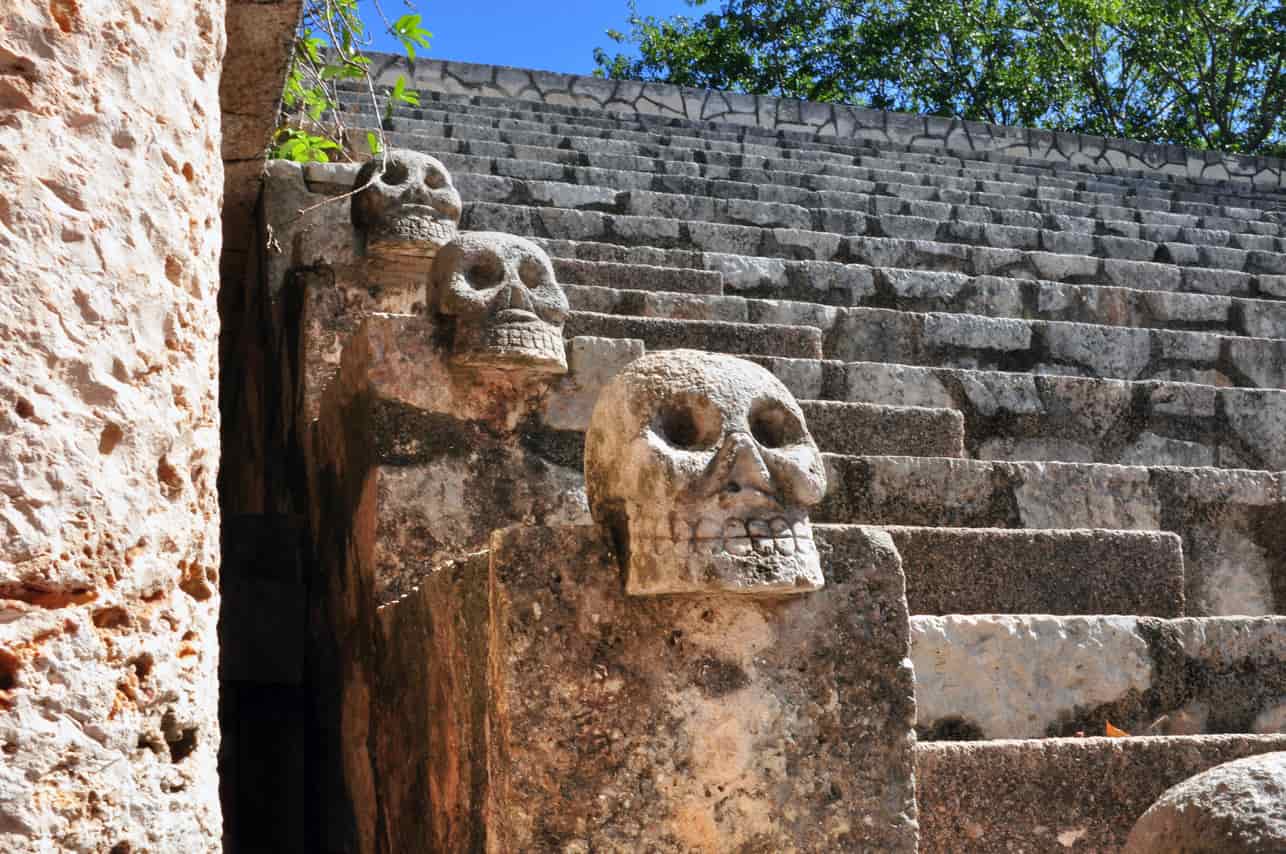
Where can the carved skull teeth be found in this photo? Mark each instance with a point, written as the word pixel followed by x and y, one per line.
pixel 736 537
pixel 525 338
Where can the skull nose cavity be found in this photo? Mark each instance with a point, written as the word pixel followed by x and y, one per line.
pixel 749 471
pixel 515 297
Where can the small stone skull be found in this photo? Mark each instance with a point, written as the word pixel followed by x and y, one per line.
pixel 498 297
pixel 703 468
pixel 410 208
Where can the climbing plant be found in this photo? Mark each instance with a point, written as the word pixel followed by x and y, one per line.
pixel 329 50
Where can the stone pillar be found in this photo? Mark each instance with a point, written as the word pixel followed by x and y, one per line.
pixel 525 702
pixel 109 544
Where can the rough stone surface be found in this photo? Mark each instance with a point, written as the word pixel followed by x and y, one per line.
pixel 440 455
pixel 416 460
pixel 1236 808
pixel 703 468
pixel 1031 676
pixel 990 571
pixel 109 544
pixel 1230 521
pixel 560 714
pixel 1056 795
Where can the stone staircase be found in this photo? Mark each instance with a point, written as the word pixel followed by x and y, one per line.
pixel 1062 390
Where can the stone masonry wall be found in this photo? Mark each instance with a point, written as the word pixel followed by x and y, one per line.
pixel 786 115
pixel 109 549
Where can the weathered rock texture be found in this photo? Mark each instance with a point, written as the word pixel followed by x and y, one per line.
pixel 1056 795
pixel 526 703
pixel 417 461
pixel 109 545
pixel 1237 808
pixel 1032 675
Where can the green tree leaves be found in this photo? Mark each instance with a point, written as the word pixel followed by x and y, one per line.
pixel 1206 73
pixel 328 50
pixel 408 31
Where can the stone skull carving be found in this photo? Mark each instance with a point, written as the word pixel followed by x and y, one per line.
pixel 498 296
pixel 703 468
pixel 410 208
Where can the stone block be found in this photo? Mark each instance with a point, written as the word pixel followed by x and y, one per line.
pixel 532 706
pixel 736 338
pixel 1051 796
pixel 1101 351
pixel 591 362
pixel 1233 808
pixel 1029 676
pixel 863 428
pixel 990 571
pixel 412 453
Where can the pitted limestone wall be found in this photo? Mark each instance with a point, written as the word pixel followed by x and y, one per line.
pixel 1116 156
pixel 109 543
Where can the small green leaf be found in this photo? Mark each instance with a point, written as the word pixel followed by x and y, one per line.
pixel 373 143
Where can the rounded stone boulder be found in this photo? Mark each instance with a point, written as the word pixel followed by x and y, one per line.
pixel 1235 808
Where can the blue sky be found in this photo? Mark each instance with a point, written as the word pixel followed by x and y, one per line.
pixel 554 35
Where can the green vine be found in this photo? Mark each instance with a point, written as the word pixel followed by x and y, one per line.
pixel 328 51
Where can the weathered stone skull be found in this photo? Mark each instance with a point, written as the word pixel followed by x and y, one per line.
pixel 505 308
pixel 702 466
pixel 410 208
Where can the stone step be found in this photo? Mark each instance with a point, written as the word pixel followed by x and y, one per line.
pixel 1012 416
pixel 1003 571
pixel 975 342
pixel 617 150
pixel 894 216
pixel 824 234
pixel 783 243
pixel 860 428
pixel 596 162
pixel 640 277
pixel 782 289
pixel 518 115
pixel 1231 521
pixel 988 676
pixel 1036 346
pixel 837 426
pixel 1051 796
pixel 851 284
pixel 835 208
pixel 661 334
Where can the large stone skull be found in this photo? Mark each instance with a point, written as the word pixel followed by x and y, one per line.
pixel 505 309
pixel 702 466
pixel 410 208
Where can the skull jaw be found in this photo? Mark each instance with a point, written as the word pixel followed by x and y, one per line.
pixel 410 234
pixel 658 573
pixel 535 348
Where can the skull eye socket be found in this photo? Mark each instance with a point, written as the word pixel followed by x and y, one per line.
pixel 533 273
pixel 688 425
pixel 773 425
pixel 434 179
pixel 483 273
pixel 395 173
